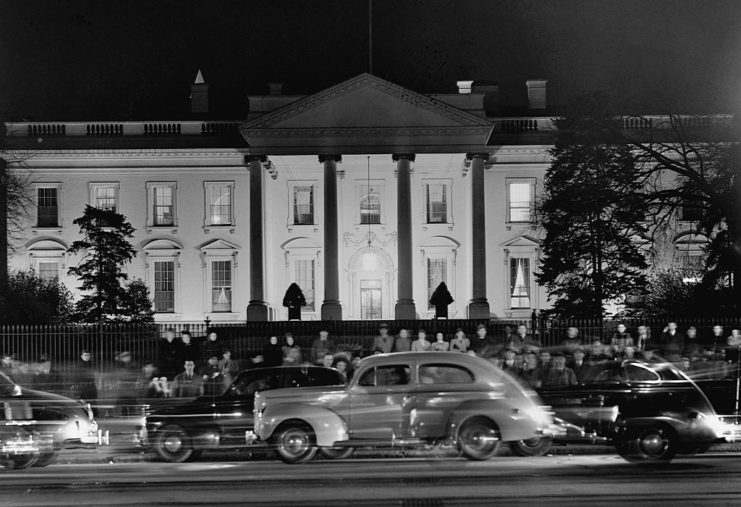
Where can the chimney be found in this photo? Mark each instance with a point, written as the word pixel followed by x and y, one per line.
pixel 199 95
pixel 536 93
pixel 275 88
pixel 490 89
pixel 464 87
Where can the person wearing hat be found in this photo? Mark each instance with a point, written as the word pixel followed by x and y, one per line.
pixel 321 346
pixel 560 374
pixel 578 364
pixel 482 345
pixel 384 340
pixel 421 344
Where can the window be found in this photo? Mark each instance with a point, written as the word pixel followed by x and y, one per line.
pixel 370 205
pixel 444 374
pixel 48 270
pixel 305 280
pixel 519 282
pixel 436 197
pixel 164 286
pixel 393 375
pixel 690 210
pixel 219 203
pixel 371 302
pixel 104 196
pixel 47 211
pixel 520 200
pixel 161 204
pixel 303 205
pixel 221 286
pixel 437 272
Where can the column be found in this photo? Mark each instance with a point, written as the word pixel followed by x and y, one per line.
pixel 331 307
pixel 257 310
pixel 479 306
pixel 405 308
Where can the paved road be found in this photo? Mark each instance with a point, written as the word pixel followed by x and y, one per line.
pixel 555 480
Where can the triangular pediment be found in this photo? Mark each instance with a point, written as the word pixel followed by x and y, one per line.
pixel 521 241
pixel 366 112
pixel 218 245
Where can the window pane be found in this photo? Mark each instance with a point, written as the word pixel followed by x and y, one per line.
pixel 519 282
pixel 164 201
pixel 520 201
pixel 370 205
pixel 444 374
pixel 437 272
pixel 305 280
pixel 221 286
pixel 220 205
pixel 437 203
pixel 47 211
pixel 164 286
pixel 303 205
pixel 105 197
pixel 48 270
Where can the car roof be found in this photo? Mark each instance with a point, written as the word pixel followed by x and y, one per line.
pixel 427 357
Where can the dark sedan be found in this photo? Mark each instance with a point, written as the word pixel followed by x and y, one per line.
pixel 649 411
pixel 181 433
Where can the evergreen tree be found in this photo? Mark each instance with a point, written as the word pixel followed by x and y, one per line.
pixel 106 250
pixel 30 299
pixel 137 305
pixel 294 300
pixel 440 299
pixel 591 212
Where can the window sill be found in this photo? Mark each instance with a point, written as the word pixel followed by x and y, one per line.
pixel 46 230
pixel 216 228
pixel 303 227
pixel 438 225
pixel 222 316
pixel 173 229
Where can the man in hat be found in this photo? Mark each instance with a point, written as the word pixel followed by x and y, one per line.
pixel 322 346
pixel 384 340
pixel 482 345
pixel 560 374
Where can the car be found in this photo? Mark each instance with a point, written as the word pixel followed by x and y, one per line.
pixel 404 399
pixel 37 425
pixel 182 432
pixel 650 412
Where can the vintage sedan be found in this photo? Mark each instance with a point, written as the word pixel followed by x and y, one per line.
pixel 650 411
pixel 405 399
pixel 182 432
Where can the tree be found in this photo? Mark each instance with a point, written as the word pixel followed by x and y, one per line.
pixel 137 305
pixel 30 299
pixel 440 299
pixel 105 249
pixel 294 300
pixel 591 213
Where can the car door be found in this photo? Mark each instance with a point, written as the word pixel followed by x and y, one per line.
pixel 380 403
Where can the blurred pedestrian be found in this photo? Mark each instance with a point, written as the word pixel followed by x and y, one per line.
pixel 291 351
pixel 229 367
pixel 187 384
pixel 84 381
pixel 482 345
pixel 213 378
pixel 321 346
pixel 403 343
pixel 272 354
pixel 212 346
pixel 384 340
pixel 169 354
pixel 460 342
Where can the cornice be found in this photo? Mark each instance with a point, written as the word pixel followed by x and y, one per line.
pixel 367 132
pixel 221 153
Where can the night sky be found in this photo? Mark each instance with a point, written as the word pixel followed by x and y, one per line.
pixel 108 59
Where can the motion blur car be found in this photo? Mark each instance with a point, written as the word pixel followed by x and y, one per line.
pixel 182 432
pixel 405 399
pixel 37 425
pixel 651 412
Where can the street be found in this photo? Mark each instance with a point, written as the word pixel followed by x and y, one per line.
pixel 557 480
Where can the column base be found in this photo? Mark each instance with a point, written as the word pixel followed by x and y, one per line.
pixel 405 310
pixel 479 309
pixel 257 311
pixel 331 310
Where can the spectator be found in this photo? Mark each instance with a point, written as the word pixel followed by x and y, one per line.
pixel 672 343
pixel 531 373
pixel 717 341
pixel 124 389
pixel 579 366
pixel 291 351
pixel 403 343
pixel 212 346
pixel 322 346
pixel 572 341
pixel 692 345
pixel 384 340
pixel 187 384
pixel 6 365
pixel 421 344
pixel 328 360
pixel 597 351
pixel 228 367
pixel 213 379
pixel 521 341
pixel 342 366
pixel 188 350
pixel 272 354
pixel 642 340
pixel 629 352
pixel 169 354
pixel 482 345
pixel 620 339
pixel 509 364
pixel 544 361
pixel 440 344
pixel 148 384
pixel 649 355
pixel 460 342
pixel 560 374
pixel 46 377
pixel 84 378
pixel 733 347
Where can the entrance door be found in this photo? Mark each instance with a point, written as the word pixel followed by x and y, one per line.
pixel 370 300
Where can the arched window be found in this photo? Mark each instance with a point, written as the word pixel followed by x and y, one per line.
pixel 370 206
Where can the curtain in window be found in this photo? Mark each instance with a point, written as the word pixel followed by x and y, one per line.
pixel 303 199
pixel 520 282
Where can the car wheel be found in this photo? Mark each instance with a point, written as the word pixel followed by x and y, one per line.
pixel 650 444
pixel 173 444
pixel 20 462
pixel 295 443
pixel 46 459
pixel 537 446
pixel 479 439
pixel 336 452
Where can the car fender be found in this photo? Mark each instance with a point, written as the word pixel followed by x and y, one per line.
pixel 327 425
pixel 697 430
pixel 513 421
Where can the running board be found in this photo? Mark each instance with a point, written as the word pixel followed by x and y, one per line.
pixel 398 442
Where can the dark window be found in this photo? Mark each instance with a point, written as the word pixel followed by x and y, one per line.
pixel 444 374
pixel 48 208
pixel 691 210
pixel 392 375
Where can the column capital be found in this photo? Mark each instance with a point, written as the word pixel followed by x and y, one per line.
pixel 323 158
pixel 481 155
pixel 405 156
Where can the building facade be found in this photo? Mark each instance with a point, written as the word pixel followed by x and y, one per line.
pixel 367 195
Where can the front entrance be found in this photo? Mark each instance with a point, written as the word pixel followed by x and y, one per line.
pixel 371 300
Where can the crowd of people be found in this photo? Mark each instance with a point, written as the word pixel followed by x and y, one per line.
pixel 185 367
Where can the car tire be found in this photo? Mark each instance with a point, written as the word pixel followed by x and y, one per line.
pixel 479 439
pixel 46 459
pixel 655 444
pixel 295 443
pixel 536 446
pixel 20 462
pixel 173 444
pixel 336 452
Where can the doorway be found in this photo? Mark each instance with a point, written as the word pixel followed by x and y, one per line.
pixel 371 301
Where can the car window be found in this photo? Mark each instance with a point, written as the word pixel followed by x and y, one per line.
pixel 248 385
pixel 607 373
pixel 444 374
pixel 313 377
pixel 390 375
pixel 640 373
